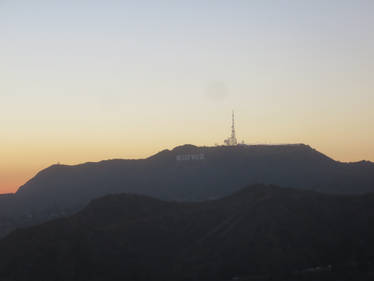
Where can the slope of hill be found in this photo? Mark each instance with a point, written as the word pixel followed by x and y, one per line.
pixel 258 231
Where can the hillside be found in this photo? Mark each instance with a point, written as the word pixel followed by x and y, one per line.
pixel 186 173
pixel 259 231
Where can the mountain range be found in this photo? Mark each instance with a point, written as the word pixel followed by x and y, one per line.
pixel 185 173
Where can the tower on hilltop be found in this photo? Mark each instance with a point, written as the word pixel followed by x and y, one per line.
pixel 232 139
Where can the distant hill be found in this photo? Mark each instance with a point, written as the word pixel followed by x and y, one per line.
pixel 222 171
pixel 254 234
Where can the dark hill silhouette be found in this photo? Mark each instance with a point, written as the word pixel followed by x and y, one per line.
pixel 201 173
pixel 257 231
pixel 223 171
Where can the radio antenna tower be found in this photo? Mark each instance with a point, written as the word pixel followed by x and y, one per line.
pixel 232 140
pixel 233 136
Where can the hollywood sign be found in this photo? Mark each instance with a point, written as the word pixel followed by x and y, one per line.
pixel 188 157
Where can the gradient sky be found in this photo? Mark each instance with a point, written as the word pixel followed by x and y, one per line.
pixel 90 80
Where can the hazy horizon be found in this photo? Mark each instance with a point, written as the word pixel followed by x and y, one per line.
pixel 97 80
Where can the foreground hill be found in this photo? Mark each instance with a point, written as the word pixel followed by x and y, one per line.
pixel 260 231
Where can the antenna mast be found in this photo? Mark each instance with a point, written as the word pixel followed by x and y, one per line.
pixel 232 140
pixel 233 137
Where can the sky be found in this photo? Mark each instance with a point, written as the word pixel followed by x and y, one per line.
pixel 91 80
